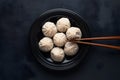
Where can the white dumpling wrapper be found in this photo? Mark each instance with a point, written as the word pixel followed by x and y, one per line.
pixel 49 29
pixel 59 39
pixel 46 44
pixel 63 24
pixel 57 54
pixel 71 48
pixel 73 33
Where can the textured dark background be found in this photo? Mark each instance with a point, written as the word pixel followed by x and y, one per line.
pixel 16 17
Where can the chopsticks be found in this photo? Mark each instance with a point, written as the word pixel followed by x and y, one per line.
pixel 81 41
pixel 102 38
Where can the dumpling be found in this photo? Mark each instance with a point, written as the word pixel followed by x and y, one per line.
pixel 73 33
pixel 49 29
pixel 63 24
pixel 46 44
pixel 71 48
pixel 57 54
pixel 59 39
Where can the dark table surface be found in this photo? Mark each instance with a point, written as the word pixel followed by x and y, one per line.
pixel 16 61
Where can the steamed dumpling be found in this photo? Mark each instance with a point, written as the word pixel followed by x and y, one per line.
pixel 49 29
pixel 73 33
pixel 71 48
pixel 63 24
pixel 59 39
pixel 57 54
pixel 46 44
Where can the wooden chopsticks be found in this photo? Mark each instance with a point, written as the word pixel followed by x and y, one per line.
pixel 82 41
pixel 102 38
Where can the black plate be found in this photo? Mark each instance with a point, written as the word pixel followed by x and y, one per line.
pixel 36 34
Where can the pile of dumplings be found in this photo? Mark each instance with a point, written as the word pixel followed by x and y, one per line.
pixel 57 39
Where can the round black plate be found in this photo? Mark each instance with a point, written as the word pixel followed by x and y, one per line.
pixel 36 34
